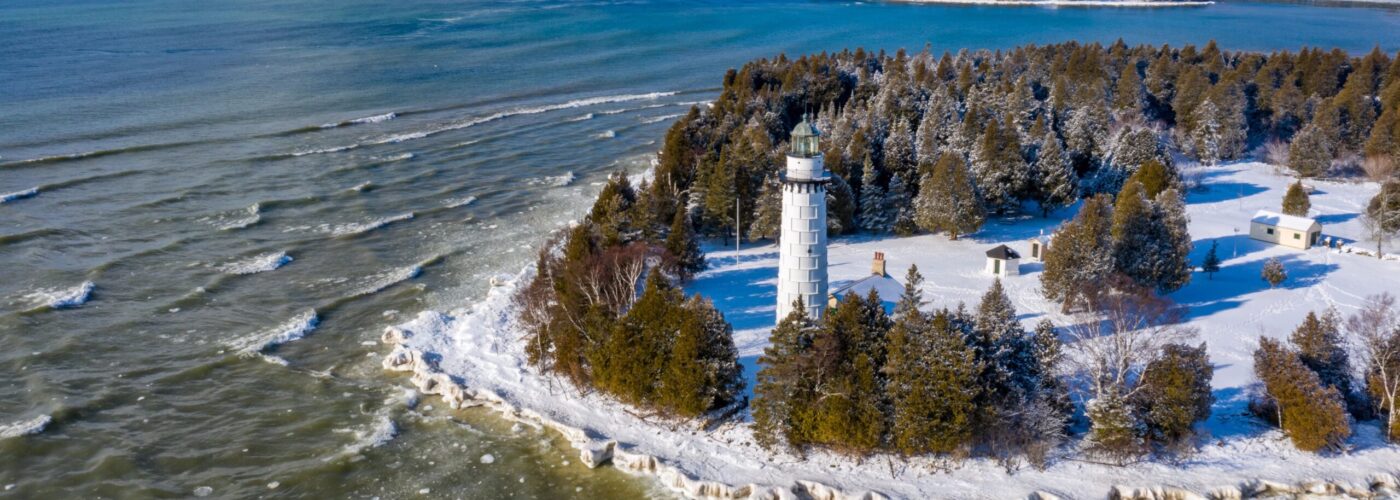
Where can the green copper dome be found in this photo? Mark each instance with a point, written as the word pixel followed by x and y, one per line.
pixel 804 139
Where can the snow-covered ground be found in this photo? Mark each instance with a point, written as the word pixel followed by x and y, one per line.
pixel 473 356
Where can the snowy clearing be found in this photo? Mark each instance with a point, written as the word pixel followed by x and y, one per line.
pixel 472 356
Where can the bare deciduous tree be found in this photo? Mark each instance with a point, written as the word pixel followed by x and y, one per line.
pixel 1120 334
pixel 1376 332
pixel 1378 168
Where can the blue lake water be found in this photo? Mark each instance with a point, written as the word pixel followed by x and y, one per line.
pixel 399 154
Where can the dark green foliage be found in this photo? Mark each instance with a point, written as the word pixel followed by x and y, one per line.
pixel 1211 263
pixel 948 201
pixel 1295 201
pixel 1320 347
pixel 1175 394
pixel 1082 258
pixel 1310 153
pixel 683 246
pixel 1311 414
pixel 1114 431
pixel 1154 177
pixel 933 385
pixel 767 220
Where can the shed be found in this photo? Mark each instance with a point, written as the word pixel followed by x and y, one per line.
pixel 1286 230
pixel 1003 261
pixel 1039 245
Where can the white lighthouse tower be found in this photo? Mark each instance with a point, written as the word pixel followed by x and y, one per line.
pixel 802 244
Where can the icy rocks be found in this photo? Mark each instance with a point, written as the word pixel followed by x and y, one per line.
pixel 488 459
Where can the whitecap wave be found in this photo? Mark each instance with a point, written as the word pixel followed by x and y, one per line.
pixel 62 298
pixel 241 219
pixel 576 103
pixel 19 195
pixel 257 264
pixel 361 187
pixel 619 111
pixel 609 134
pixel 662 118
pixel 380 281
pixel 397 157
pixel 458 202
pixel 560 180
pixel 365 227
pixel 295 328
pixel 25 427
pixel 584 117
pixel 361 121
pixel 317 151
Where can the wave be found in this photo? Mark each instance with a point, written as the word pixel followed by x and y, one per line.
pixel 560 180
pixel 361 187
pixel 261 263
pixel 93 154
pixel 607 134
pixel 62 298
pixel 25 427
pixel 364 227
pixel 662 118
pixel 638 108
pixel 293 329
pixel 576 103
pixel 379 282
pixel 397 157
pixel 458 202
pixel 585 117
pixel 19 195
pixel 317 151
pixel 246 217
pixel 378 434
pixel 361 121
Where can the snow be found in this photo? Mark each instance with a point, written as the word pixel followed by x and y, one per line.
pixel 1284 221
pixel 473 357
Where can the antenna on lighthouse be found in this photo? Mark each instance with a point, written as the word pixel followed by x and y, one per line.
pixel 737 233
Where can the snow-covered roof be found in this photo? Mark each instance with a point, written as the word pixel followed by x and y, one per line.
pixel 889 288
pixel 1284 221
pixel 1003 252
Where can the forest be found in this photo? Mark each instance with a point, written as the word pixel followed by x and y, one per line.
pixel 919 143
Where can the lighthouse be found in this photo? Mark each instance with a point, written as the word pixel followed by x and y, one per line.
pixel 802 243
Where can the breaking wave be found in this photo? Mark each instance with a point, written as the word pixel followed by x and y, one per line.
pixel 240 219
pixel 576 103
pixel 560 180
pixel 584 117
pixel 25 427
pixel 662 118
pixel 377 434
pixel 609 134
pixel 365 227
pixel 293 329
pixel 62 298
pixel 261 263
pixel 458 202
pixel 361 121
pixel 378 282
pixel 318 151
pixel 19 195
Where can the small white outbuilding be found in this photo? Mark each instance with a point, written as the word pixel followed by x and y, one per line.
pixel 1039 245
pixel 1003 261
pixel 1286 230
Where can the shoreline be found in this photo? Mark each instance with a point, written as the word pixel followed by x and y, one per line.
pixel 448 355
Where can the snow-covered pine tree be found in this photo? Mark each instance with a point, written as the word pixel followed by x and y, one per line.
pixel 1085 135
pixel 1128 91
pixel 1310 153
pixel 702 372
pixel 1082 261
pixel 932 385
pixel 899 208
pixel 1114 429
pixel 683 246
pixel 1295 201
pixel 1273 272
pixel 873 204
pixel 768 211
pixel 1311 414
pixel 999 169
pixel 840 206
pixel 783 391
pixel 1132 147
pixel 1059 187
pixel 940 119
pixel 1207 136
pixel 1175 245
pixel 899 154
pixel 948 200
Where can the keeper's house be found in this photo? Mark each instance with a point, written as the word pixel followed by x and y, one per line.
pixel 1287 230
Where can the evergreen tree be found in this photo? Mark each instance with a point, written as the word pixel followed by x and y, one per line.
pixel 1059 187
pixel 1049 352
pixel 683 246
pixel 1295 201
pixel 948 200
pixel 1208 134
pixel 1310 153
pixel 1154 177
pixel 1132 148
pixel 873 204
pixel 703 371
pixel 1083 257
pixel 1175 243
pixel 1085 135
pixel 1274 273
pixel 1310 414
pixel 783 388
pixel 1322 349
pixel 1114 430
pixel 1000 171
pixel 629 362
pixel 719 196
pixel 612 210
pixel 768 211
pixel 1175 394
pixel 1128 96
pixel 840 206
pixel 1211 264
pixel 900 159
pixel 900 208
pixel 932 382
